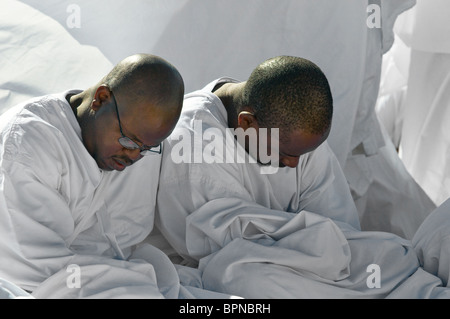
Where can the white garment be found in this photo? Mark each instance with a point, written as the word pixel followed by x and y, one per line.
pixel 147 274
pixel 292 234
pixel 58 209
pixel 8 290
pixel 317 184
pixel 432 243
pixel 304 255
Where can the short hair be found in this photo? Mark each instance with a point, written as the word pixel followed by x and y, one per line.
pixel 290 93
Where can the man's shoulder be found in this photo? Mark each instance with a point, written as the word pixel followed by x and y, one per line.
pixel 207 92
pixel 322 155
pixel 37 121
pixel 205 107
pixel 37 105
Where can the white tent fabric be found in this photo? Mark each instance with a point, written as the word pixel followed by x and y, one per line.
pixel 415 107
pixel 39 57
pixel 147 274
pixel 425 137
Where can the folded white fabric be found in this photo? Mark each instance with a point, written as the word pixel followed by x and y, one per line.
pixel 8 290
pixel 264 254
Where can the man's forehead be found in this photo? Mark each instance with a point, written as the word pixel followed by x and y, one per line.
pixel 144 130
pixel 299 142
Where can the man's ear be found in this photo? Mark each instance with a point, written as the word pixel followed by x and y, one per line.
pixel 101 96
pixel 247 120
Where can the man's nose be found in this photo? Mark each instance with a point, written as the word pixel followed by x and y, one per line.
pixel 133 155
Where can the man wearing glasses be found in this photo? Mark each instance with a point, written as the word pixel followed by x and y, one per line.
pixel 66 207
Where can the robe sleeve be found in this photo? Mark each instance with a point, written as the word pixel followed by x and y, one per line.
pixel 324 190
pixel 35 218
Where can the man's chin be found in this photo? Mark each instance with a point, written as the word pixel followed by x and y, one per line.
pixel 269 164
pixel 103 166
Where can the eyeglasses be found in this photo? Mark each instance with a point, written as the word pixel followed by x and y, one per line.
pixel 129 144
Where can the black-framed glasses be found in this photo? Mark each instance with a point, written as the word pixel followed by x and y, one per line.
pixel 128 143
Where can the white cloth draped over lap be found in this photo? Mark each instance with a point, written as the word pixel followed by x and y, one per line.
pixel 9 290
pixel 146 274
pixel 215 226
pixel 261 253
pixel 104 277
pixel 432 242
pixel 219 222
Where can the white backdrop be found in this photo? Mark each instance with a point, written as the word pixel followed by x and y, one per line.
pixel 415 100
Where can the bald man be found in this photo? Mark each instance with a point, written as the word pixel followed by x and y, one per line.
pixel 143 97
pixel 287 167
pixel 64 199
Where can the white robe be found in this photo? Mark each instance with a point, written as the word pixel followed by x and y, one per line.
pixel 61 216
pixel 8 290
pixel 292 234
pixel 432 242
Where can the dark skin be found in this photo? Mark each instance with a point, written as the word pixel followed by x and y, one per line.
pixel 291 147
pixel 147 121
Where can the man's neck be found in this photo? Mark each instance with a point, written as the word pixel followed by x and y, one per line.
pixel 77 100
pixel 230 95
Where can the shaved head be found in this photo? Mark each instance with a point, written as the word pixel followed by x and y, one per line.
pixel 140 99
pixel 150 90
pixel 290 93
pixel 147 78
